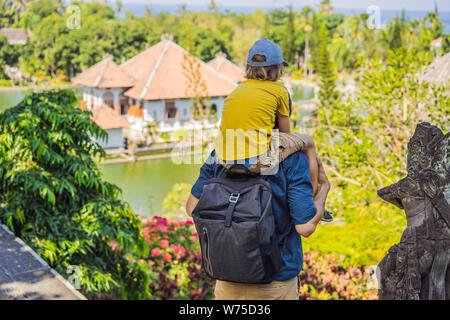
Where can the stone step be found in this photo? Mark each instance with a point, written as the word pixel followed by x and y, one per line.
pixel 26 276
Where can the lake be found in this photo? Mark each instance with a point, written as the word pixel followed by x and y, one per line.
pixel 144 183
pixel 12 97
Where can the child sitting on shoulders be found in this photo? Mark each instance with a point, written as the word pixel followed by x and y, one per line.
pixel 256 117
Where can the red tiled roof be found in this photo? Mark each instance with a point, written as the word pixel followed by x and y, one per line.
pixel 105 74
pixel 106 118
pixel 221 64
pixel 436 42
pixel 160 74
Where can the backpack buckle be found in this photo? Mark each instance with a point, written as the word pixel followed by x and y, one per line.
pixel 234 197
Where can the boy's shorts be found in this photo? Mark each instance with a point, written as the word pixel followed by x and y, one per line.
pixel 282 145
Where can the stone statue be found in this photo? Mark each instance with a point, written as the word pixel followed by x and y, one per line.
pixel 417 267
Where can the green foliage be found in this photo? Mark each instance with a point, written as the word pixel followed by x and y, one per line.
pixel 446 43
pixel 362 141
pixel 36 11
pixel 175 201
pixel 5 83
pixel 288 43
pixel 327 93
pixel 361 235
pixel 9 55
pixel 53 197
pixel 165 136
pixel 57 50
pixel 207 43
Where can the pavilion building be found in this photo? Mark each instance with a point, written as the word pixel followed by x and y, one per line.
pixel 158 85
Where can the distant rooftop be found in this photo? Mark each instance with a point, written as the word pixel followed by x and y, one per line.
pixel 15 35
pixel 221 64
pixel 438 71
pixel 106 118
pixel 161 71
pixel 105 74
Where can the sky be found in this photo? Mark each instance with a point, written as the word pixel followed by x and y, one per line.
pixel 419 5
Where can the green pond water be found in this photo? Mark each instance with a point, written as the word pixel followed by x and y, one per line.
pixel 11 98
pixel 144 184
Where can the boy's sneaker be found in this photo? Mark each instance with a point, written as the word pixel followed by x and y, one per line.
pixel 327 217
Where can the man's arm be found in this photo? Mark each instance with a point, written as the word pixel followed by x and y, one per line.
pixel 191 204
pixel 206 172
pixel 309 227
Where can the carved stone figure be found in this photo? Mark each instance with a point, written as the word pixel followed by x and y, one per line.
pixel 418 267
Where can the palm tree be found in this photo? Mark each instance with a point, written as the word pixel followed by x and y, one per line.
pixel 119 6
pixel 16 7
pixel 182 8
pixel 213 6
pixel 325 7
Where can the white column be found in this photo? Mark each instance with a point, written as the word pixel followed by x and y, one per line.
pixel 89 99
pixel 99 94
pixel 117 100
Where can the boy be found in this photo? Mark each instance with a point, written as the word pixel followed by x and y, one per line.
pixel 253 109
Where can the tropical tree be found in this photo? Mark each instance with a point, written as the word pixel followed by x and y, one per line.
pixel 288 43
pixel 212 6
pixel 9 55
pixel 53 197
pixel 17 6
pixel 119 6
pixel 36 11
pixel 196 87
pixel 327 93
pixel 362 141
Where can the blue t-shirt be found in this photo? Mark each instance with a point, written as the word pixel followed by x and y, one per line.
pixel 291 204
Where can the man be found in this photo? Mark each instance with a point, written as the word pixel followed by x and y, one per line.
pixel 296 214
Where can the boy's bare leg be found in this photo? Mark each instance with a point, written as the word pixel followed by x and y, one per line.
pixel 310 152
pixel 313 167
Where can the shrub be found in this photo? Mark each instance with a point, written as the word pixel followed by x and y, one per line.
pixel 324 278
pixel 175 200
pixel 53 197
pixel 174 265
pixel 5 83
pixel 362 236
pixel 174 262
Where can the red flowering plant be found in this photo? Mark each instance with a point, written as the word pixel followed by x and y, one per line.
pixel 174 261
pixel 324 278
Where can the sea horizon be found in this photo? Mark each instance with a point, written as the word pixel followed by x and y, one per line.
pixel 139 9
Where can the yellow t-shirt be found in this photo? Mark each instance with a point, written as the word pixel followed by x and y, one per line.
pixel 248 118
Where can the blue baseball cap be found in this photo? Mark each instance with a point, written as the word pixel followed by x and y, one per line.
pixel 266 48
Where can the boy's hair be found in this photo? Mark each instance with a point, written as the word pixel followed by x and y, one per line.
pixel 272 73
